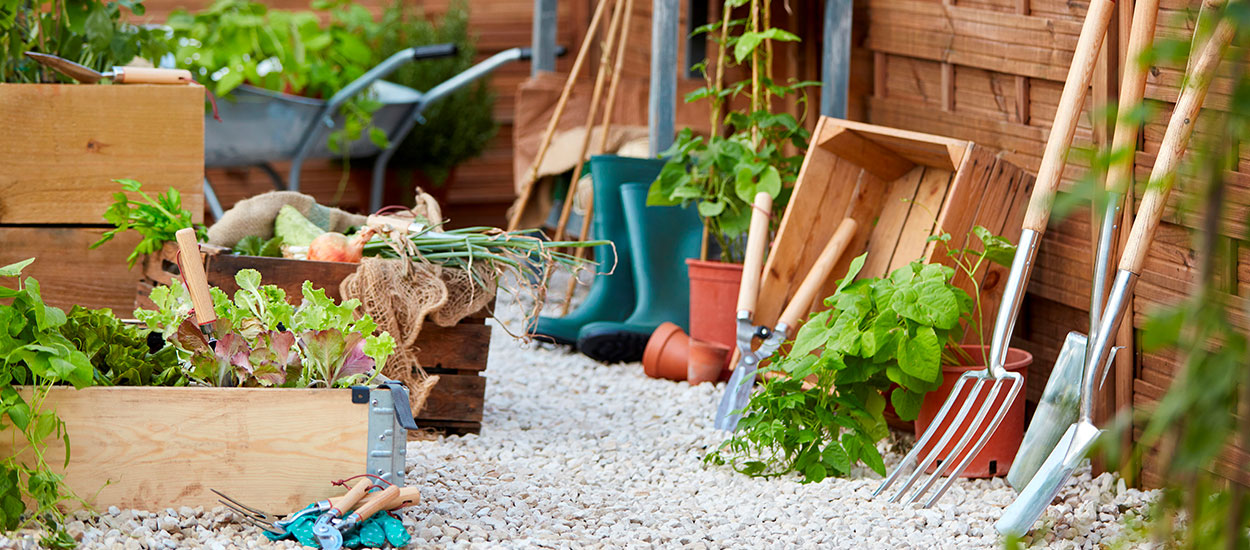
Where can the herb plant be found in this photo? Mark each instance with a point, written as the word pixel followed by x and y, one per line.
pixel 262 340
pixel 155 219
pixel 88 32
pixel 460 126
pixel 821 411
pixel 762 151
pixel 252 245
pixel 34 353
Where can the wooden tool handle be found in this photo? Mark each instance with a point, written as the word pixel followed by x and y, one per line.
pixel 753 264
pixel 382 501
pixel 146 75
pixel 1069 111
pixel 348 501
pixel 1132 88
pixel 815 278
pixel 1175 141
pixel 407 496
pixel 193 273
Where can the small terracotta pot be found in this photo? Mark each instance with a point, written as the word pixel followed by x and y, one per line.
pixel 713 297
pixel 995 458
pixel 706 361
pixel 666 353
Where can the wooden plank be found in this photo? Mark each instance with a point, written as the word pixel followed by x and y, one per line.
pixel 854 147
pixel 69 273
pixel 456 397
pixel 884 237
pixel 921 148
pixel 921 217
pixel 155 448
pixel 63 145
pixel 463 348
pixel 287 274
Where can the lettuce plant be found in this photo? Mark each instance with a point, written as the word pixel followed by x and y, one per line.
pixel 262 340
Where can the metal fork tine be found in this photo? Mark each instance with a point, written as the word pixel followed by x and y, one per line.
pixel 1017 382
pixel 249 514
pixel 263 526
pixel 239 506
pixel 947 434
pixel 967 436
pixel 924 438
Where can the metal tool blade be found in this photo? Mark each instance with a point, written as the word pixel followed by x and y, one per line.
pixel 68 68
pixel 327 534
pixel 1020 516
pixel 1056 412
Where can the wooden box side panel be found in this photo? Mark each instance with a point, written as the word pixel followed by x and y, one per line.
pixel 154 448
pixel 69 273
pixel 63 145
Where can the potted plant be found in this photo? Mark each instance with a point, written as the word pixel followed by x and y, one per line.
pixel 885 340
pixel 750 151
pixel 459 127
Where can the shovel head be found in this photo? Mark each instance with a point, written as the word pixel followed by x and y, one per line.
pixel 1050 478
pixel 737 395
pixel 1056 412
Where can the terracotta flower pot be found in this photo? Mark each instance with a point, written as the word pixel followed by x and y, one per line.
pixel 706 361
pixel 995 458
pixel 713 297
pixel 666 353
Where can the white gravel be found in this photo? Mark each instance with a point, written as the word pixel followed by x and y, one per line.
pixel 575 454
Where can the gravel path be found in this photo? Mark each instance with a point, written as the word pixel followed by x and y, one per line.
pixel 575 454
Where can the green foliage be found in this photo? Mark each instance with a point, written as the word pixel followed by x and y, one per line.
pixel 898 330
pixel 458 127
pixel 33 353
pixel 89 32
pixel 156 220
pixel 119 352
pixel 262 340
pixel 252 245
pixel 234 42
pixel 754 151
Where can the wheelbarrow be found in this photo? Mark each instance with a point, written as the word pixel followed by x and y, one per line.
pixel 259 127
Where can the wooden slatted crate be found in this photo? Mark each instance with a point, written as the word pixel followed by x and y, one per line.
pixel 61 146
pixel 457 354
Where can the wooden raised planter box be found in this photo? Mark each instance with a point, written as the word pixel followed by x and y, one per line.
pixel 61 145
pixel 152 448
pixel 456 354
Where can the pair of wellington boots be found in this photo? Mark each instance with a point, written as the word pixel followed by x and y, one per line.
pixel 649 284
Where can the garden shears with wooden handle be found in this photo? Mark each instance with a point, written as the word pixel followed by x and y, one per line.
pixel 738 390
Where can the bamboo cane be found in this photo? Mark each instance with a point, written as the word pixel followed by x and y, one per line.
pixel 595 95
pixel 528 188
pixel 609 106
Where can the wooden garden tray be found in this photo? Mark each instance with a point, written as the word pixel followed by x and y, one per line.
pixel 458 354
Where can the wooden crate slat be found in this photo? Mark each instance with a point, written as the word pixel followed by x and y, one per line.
pixel 69 273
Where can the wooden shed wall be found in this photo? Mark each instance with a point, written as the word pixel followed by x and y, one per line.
pixel 991 71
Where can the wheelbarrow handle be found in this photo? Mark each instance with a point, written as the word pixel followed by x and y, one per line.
pixel 434 50
pixel 527 54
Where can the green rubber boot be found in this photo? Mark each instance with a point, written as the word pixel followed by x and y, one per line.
pixel 611 297
pixel 660 238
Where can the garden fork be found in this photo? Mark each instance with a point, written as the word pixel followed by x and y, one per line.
pixel 1054 158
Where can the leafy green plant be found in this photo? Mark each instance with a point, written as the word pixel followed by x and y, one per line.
pixel 34 353
pixel 821 409
pixel 234 42
pixel 157 220
pixel 120 353
pixel 458 127
pixel 89 32
pixel 762 151
pixel 252 245
pixel 262 340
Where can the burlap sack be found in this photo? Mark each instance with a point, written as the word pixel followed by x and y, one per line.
pixel 254 216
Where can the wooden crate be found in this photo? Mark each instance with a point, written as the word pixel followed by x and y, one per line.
pixel 458 354
pixel 901 187
pixel 64 144
pixel 153 448
pixel 61 146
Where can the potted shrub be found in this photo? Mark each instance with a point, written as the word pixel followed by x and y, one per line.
pixel 457 128
pixel 749 151
pixel 885 340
